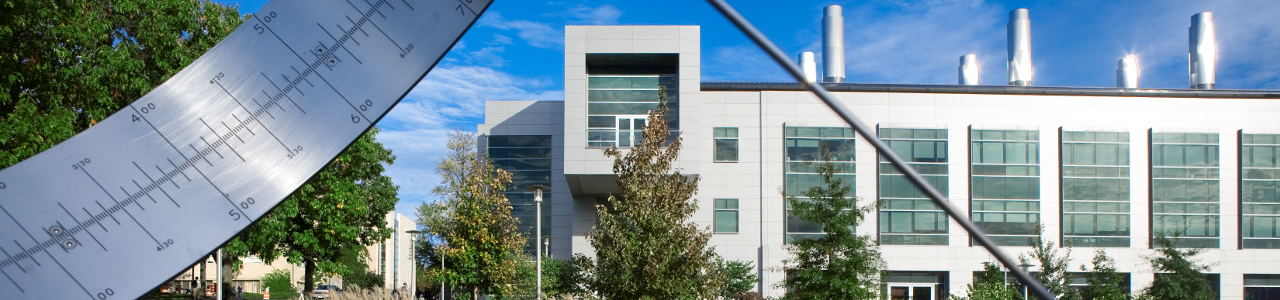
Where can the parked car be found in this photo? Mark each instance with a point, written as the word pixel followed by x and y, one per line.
pixel 324 291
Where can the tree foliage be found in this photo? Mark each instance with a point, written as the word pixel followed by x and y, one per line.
pixel 480 243
pixel 646 248
pixel 341 209
pixel 280 281
pixel 1104 281
pixel 990 284
pixel 67 64
pixel 1054 270
pixel 739 277
pixel 840 264
pixel 1178 275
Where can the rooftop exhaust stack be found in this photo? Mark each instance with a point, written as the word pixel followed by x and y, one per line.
pixel 969 69
pixel 1127 73
pixel 1204 52
pixel 833 44
pixel 810 68
pixel 1020 47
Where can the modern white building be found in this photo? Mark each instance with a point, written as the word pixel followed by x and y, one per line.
pixel 1100 168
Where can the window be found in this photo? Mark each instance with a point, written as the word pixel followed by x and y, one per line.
pixel 1184 187
pixel 622 89
pixel 528 158
pixel 1260 191
pixel 804 146
pixel 726 215
pixel 908 217
pixel 1095 188
pixel 1005 184
pixel 1262 287
pixel 726 144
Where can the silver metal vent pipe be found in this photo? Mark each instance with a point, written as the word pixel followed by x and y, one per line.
pixel 1019 28
pixel 1203 56
pixel 1127 73
pixel 969 69
pixel 809 66
pixel 833 44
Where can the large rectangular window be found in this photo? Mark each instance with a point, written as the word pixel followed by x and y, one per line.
pixel 804 146
pixel 1184 187
pixel 1005 184
pixel 1261 287
pixel 528 158
pixel 726 215
pixel 1095 189
pixel 908 217
pixel 726 148
pixel 1259 191
pixel 622 89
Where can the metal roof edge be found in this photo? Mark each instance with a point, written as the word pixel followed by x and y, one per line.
pixel 730 86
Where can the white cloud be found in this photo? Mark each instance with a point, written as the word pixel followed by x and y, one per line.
pixel 449 97
pixel 499 39
pixel 537 34
pixel 487 57
pixel 544 35
pixel 603 15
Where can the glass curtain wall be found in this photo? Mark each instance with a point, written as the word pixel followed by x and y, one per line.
pixel 622 89
pixel 804 146
pixel 1259 191
pixel 1095 189
pixel 528 158
pixel 1184 187
pixel 1005 184
pixel 908 217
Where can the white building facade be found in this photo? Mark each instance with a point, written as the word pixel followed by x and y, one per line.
pixel 1099 168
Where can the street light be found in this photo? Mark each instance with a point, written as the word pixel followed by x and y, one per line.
pixel 1027 268
pixel 414 251
pixel 537 203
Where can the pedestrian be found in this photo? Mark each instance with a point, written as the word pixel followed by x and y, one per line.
pixel 240 291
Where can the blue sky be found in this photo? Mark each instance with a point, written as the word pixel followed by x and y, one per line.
pixel 515 52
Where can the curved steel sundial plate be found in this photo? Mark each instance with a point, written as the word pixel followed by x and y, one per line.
pixel 128 203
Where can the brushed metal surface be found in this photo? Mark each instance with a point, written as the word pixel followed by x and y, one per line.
pixel 1019 27
pixel 969 70
pixel 833 44
pixel 125 205
pixel 1204 52
pixel 810 67
pixel 1127 72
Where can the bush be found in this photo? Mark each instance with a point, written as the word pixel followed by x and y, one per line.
pixel 279 281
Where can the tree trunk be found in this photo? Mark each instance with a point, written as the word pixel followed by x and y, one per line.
pixel 308 277
pixel 475 293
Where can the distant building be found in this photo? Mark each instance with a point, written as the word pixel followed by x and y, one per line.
pixel 392 258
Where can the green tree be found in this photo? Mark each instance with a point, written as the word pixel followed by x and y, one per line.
pixel 67 64
pixel 1178 275
pixel 841 264
pixel 342 208
pixel 480 243
pixel 280 283
pixel 1104 281
pixel 1054 270
pixel 990 284
pixel 646 248
pixel 739 277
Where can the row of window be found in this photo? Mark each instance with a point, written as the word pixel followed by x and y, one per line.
pixel 1005 184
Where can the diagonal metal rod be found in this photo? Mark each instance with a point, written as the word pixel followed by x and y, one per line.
pixel 976 233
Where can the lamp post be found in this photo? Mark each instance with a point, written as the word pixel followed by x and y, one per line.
pixel 1025 267
pixel 537 203
pixel 414 251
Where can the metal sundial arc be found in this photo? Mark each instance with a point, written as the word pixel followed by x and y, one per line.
pixel 128 203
